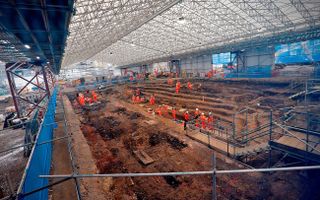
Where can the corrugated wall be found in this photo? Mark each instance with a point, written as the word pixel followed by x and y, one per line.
pixel 195 65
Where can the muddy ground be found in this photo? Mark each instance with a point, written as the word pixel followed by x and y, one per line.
pixel 12 163
pixel 119 128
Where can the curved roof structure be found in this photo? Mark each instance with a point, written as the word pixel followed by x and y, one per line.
pixel 124 32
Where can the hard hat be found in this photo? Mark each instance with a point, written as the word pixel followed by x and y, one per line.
pixel 202 113
pixel 197 109
pixel 187 112
pixel 210 113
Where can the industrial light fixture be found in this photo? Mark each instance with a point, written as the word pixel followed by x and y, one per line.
pixel 27 46
pixel 38 57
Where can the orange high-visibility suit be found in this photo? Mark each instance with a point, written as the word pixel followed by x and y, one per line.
pixel 152 100
pixel 189 85
pixel 174 114
pixel 203 119
pixel 165 109
pixel 158 111
pixel 196 113
pixel 210 121
pixel 137 99
pixel 178 86
pixel 94 96
pixel 210 74
pixel 186 116
pixel 81 99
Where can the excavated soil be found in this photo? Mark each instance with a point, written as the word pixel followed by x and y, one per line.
pixel 121 128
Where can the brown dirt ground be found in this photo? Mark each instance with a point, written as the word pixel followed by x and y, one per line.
pixel 120 128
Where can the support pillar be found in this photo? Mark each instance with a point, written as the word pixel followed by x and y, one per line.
pixel 45 80
pixel 12 88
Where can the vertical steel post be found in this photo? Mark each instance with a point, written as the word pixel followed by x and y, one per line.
pixel 45 80
pixel 308 127
pixel 12 90
pixel 307 113
pixel 246 134
pixel 270 138
pixel 214 177
pixel 234 126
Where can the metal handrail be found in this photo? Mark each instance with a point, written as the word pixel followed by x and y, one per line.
pixel 275 123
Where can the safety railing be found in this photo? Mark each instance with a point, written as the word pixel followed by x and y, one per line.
pixel 40 159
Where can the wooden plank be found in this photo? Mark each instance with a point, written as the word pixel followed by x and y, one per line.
pixel 143 157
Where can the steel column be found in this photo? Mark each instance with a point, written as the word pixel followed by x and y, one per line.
pixel 45 80
pixel 12 89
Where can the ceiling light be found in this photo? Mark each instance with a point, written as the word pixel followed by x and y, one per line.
pixel 27 46
pixel 4 41
pixel 38 57
pixel 48 62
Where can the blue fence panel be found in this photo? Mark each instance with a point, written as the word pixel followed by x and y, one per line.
pixel 40 160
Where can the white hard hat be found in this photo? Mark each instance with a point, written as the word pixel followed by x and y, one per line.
pixel 187 112
pixel 210 113
pixel 197 109
pixel 202 113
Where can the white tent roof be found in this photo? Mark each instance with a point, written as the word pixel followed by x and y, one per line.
pixel 124 32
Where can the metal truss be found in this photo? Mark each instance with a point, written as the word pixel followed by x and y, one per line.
pixel 43 80
pixel 134 31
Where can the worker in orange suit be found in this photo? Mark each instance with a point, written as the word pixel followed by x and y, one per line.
pixel 196 113
pixel 174 114
pixel 152 100
pixel 186 116
pixel 94 96
pixel 189 85
pixel 186 119
pixel 137 100
pixel 158 111
pixel 210 121
pixel 81 99
pixel 203 119
pixel 164 108
pixel 178 86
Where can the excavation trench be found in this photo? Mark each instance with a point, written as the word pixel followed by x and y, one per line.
pixel 126 137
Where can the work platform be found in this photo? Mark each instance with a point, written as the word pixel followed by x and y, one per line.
pixel 297 142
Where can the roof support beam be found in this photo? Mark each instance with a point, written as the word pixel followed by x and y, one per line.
pixel 26 26
pixel 139 25
pixel 303 11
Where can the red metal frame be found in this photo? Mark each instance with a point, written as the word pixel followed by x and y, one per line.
pixel 41 72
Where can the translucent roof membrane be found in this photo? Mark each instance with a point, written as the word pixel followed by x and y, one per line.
pixel 124 32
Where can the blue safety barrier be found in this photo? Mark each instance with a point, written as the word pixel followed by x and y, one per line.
pixel 40 158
